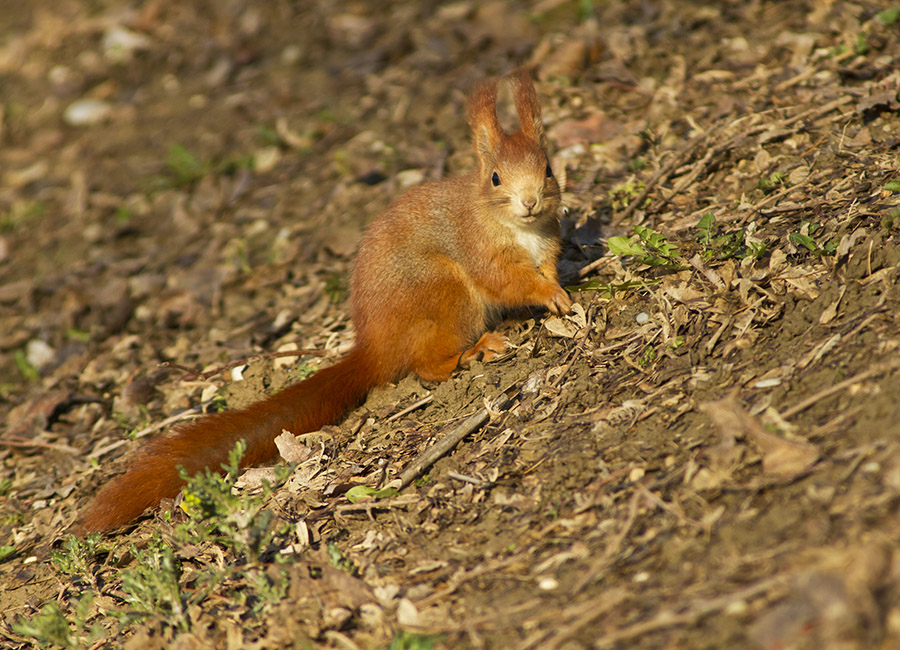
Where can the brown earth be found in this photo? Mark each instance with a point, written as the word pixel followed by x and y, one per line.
pixel 703 456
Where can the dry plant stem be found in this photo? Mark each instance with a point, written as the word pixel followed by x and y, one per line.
pixel 193 373
pixel 822 394
pixel 663 172
pixel 195 411
pixel 695 612
pixel 340 641
pixel 671 508
pixel 380 504
pixel 614 546
pixel 16 441
pixel 458 579
pixel 597 263
pixel 412 407
pixel 443 446
pixel 697 167
pixel 758 209
pixel 815 111
pixel 582 616
pixel 467 479
pixel 694 172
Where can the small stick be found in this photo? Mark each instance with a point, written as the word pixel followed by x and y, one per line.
pixel 467 479
pixel 443 446
pixel 661 173
pixel 16 441
pixel 597 263
pixel 822 394
pixel 412 407
pixel 193 373
pixel 615 545
pixel 146 431
pixel 459 578
pixel 696 611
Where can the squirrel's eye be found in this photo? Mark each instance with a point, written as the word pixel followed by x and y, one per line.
pixel 495 179
pixel 549 171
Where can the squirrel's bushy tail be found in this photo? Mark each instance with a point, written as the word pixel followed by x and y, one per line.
pixel 306 406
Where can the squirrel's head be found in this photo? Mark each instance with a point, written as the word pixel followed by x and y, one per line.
pixel 514 171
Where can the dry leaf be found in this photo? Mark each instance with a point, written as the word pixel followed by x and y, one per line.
pixel 291 449
pixel 688 296
pixel 567 326
pixel 780 457
pixel 255 477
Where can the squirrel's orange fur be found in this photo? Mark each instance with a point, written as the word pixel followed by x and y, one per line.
pixel 432 271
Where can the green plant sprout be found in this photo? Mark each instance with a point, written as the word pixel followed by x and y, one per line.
pixel 771 183
pixel 651 248
pixel 51 627
pixel 236 521
pixel 624 193
pixel 806 239
pixel 720 245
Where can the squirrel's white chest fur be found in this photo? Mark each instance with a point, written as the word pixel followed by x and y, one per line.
pixel 533 243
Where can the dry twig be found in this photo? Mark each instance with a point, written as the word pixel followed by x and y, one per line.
pixel 443 446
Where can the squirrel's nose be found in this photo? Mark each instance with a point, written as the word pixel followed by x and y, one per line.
pixel 529 202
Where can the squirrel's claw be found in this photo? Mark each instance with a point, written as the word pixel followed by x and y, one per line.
pixel 560 303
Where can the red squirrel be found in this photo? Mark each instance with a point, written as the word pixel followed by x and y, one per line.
pixel 432 272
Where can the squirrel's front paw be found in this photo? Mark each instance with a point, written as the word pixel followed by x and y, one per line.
pixel 559 302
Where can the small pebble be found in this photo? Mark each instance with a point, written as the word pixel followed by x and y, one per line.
pixel 737 608
pixel 39 354
pixel 872 467
pixel 409 177
pixel 86 112
pixel 119 43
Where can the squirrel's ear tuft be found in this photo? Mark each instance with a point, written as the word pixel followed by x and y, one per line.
pixel 527 105
pixel 486 131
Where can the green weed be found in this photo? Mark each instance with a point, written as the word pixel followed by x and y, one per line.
pixel 22 215
pixel 648 356
pixel 806 238
pixel 123 215
pixel 152 588
pixel 771 183
pixel 722 245
pixel 219 516
pixel 651 248
pixel 337 559
pixel 78 556
pixel 361 492
pixel 413 641
pixel 50 626
pixel 269 136
pixel 888 17
pixel 184 167
pixel 624 193
pixel 28 371
pixel 336 287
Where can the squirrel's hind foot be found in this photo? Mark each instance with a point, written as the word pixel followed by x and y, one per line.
pixel 490 346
